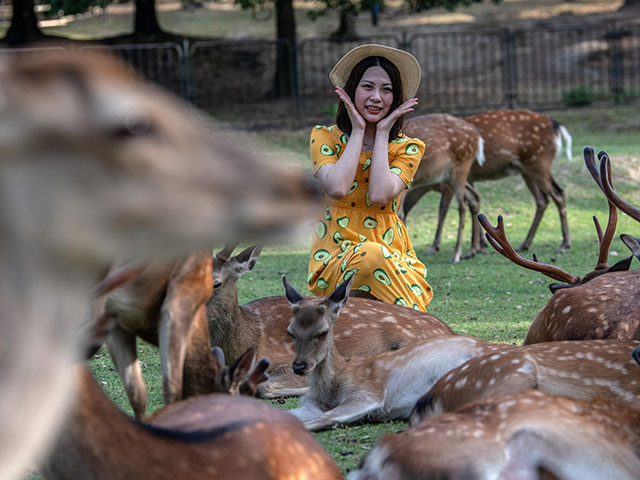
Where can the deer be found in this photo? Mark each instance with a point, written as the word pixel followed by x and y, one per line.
pixel 452 148
pixel 602 304
pixel 97 164
pixel 558 368
pixel 214 436
pixel 378 387
pixel 516 141
pixel 366 326
pixel 528 435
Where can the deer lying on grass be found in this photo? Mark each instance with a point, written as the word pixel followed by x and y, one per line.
pixel 516 141
pixel 378 387
pixel 97 164
pixel 583 370
pixel 366 327
pixel 210 436
pixel 452 148
pixel 530 435
pixel 603 304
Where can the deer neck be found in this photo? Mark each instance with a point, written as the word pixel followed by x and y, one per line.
pixel 326 381
pixel 229 327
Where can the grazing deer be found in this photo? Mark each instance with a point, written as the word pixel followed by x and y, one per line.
pixel 97 164
pixel 378 387
pixel 366 326
pixel 603 304
pixel 517 141
pixel 529 436
pixel 210 436
pixel 452 148
pixel 582 370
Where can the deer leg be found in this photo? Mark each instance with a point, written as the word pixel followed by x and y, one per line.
pixel 410 198
pixel 557 195
pixel 122 348
pixel 445 201
pixel 462 210
pixel 344 413
pixel 542 200
pixel 473 200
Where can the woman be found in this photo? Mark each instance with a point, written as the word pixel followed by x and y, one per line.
pixel 364 163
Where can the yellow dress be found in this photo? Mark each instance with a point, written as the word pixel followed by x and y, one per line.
pixel 352 236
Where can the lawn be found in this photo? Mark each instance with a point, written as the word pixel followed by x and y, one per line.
pixel 486 296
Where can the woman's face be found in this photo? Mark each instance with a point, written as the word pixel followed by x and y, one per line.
pixel 374 94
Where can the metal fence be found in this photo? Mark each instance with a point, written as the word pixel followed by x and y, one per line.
pixel 269 83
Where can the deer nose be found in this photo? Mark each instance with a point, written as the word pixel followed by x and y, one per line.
pixel 299 368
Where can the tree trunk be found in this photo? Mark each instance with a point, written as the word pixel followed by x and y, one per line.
pixel 146 19
pixel 347 28
pixel 285 81
pixel 24 25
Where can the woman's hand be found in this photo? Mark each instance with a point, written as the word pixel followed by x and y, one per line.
pixel 357 122
pixel 386 123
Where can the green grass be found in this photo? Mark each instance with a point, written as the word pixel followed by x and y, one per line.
pixel 486 296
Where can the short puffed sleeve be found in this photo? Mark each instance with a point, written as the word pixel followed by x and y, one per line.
pixel 405 155
pixel 326 144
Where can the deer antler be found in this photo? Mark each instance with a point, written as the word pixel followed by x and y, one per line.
pixel 498 240
pixel 605 172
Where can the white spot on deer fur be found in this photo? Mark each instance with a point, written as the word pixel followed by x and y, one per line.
pixel 566 309
pixel 389 319
pixel 461 383
pixel 515 361
pixel 495 357
pixel 492 382
pixel 479 384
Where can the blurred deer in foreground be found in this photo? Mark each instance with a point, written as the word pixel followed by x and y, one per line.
pixel 452 148
pixel 378 387
pixel 209 436
pixel 366 326
pixel 529 436
pixel 583 370
pixel 97 164
pixel 516 141
pixel 603 304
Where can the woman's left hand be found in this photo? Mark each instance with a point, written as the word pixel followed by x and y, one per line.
pixel 386 123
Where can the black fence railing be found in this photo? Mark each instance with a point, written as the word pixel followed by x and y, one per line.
pixel 271 83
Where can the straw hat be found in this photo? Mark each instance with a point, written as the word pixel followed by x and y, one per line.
pixel 406 64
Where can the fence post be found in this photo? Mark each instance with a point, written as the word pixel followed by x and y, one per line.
pixel 616 65
pixel 509 67
pixel 185 75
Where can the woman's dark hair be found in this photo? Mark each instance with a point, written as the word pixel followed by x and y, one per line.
pixel 342 117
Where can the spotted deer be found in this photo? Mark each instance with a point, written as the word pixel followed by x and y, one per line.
pixel 452 148
pixel 213 436
pixel 366 326
pixel 377 387
pixel 583 370
pixel 97 164
pixel 517 142
pixel 530 435
pixel 603 304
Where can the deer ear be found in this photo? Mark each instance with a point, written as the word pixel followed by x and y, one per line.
pixel 554 287
pixel 632 243
pixel 248 257
pixel 218 356
pixel 338 299
pixel 621 266
pixel 290 292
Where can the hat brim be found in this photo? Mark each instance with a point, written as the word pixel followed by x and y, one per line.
pixel 407 65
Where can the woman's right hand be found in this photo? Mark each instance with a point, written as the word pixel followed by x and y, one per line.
pixel 357 122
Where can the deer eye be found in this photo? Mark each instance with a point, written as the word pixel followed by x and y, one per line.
pixel 322 335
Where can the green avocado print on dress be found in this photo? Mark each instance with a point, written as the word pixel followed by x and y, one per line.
pixel 396 170
pixel 322 283
pixel 366 164
pixel 412 149
pixel 321 229
pixel 364 288
pixel 380 275
pixel 349 273
pixel 326 150
pixel 343 222
pixel 385 252
pixel 343 138
pixel 370 223
pixel 366 200
pixel 321 255
pixel 353 187
pixel 327 214
pixel 337 238
pixel 388 236
pixel 416 289
pixel 400 140
pixel 400 301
